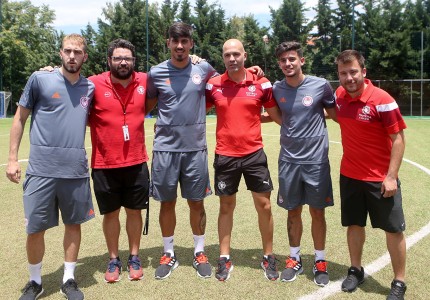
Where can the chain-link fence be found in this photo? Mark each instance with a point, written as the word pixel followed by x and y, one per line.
pixel 412 95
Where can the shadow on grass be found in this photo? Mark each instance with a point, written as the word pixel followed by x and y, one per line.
pixel 90 269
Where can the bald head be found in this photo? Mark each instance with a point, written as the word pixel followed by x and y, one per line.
pixel 234 57
pixel 233 43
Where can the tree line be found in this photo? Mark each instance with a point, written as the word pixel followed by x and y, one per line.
pixel 388 32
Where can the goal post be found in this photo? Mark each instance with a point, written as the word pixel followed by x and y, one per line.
pixel 5 98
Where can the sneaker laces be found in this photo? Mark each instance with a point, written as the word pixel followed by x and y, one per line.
pixel 222 265
pixel 165 260
pixel 291 263
pixel 201 258
pixel 134 263
pixel 271 263
pixel 396 290
pixel 113 264
pixel 321 266
pixel 71 285
pixel 29 286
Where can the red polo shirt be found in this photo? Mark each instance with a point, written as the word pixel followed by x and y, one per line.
pixel 113 107
pixel 366 123
pixel 238 109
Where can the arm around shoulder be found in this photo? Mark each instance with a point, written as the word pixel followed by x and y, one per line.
pixel 273 114
pixel 150 104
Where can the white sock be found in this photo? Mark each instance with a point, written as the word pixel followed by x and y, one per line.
pixel 168 245
pixel 35 272
pixel 226 256
pixel 69 271
pixel 199 243
pixel 295 253
pixel 319 255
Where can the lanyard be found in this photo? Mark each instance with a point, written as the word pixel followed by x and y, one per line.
pixel 120 100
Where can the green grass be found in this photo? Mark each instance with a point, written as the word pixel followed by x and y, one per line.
pixel 247 280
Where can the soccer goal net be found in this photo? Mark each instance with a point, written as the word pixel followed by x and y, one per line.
pixel 4 103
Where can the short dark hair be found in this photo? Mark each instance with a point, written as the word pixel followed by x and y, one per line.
pixel 121 43
pixel 179 30
pixel 288 46
pixel 348 56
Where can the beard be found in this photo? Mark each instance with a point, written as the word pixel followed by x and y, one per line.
pixel 72 68
pixel 122 72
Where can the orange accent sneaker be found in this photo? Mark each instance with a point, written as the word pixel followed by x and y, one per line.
pixel 113 271
pixel 320 273
pixel 293 268
pixel 134 268
pixel 168 263
pixel 202 265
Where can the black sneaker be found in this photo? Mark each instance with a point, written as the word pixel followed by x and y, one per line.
pixel 355 278
pixel 398 289
pixel 320 273
pixel 269 266
pixel 31 291
pixel 224 269
pixel 293 268
pixel 202 265
pixel 167 264
pixel 70 290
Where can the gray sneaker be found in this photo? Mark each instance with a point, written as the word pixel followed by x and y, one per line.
pixel 202 265
pixel 224 269
pixel 398 289
pixel 321 277
pixel 32 291
pixel 353 280
pixel 293 268
pixel 167 264
pixel 269 266
pixel 70 290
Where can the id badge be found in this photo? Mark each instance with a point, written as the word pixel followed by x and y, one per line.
pixel 126 133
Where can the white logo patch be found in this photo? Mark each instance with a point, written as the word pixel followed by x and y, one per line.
pixel 251 90
pixel 280 199
pixel 307 100
pixel 366 110
pixel 140 90
pixel 221 185
pixel 84 101
pixel 196 78
pixel 108 94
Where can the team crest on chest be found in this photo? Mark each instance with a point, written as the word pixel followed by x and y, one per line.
pixel 251 90
pixel 366 110
pixel 140 90
pixel 307 100
pixel 84 101
pixel 365 114
pixel 196 78
pixel 108 94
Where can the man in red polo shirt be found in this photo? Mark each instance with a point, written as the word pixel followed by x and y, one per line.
pixel 119 159
pixel 373 146
pixel 238 96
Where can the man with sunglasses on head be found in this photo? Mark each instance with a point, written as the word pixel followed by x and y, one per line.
pixel 119 158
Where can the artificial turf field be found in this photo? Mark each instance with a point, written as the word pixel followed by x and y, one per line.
pixel 247 280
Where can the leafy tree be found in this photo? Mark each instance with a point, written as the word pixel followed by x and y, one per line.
pixel 185 12
pixel 27 42
pixel 327 44
pixel 209 24
pixel 96 62
pixel 289 22
pixel 387 39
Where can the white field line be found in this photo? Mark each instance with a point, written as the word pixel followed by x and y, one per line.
pixel 379 263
